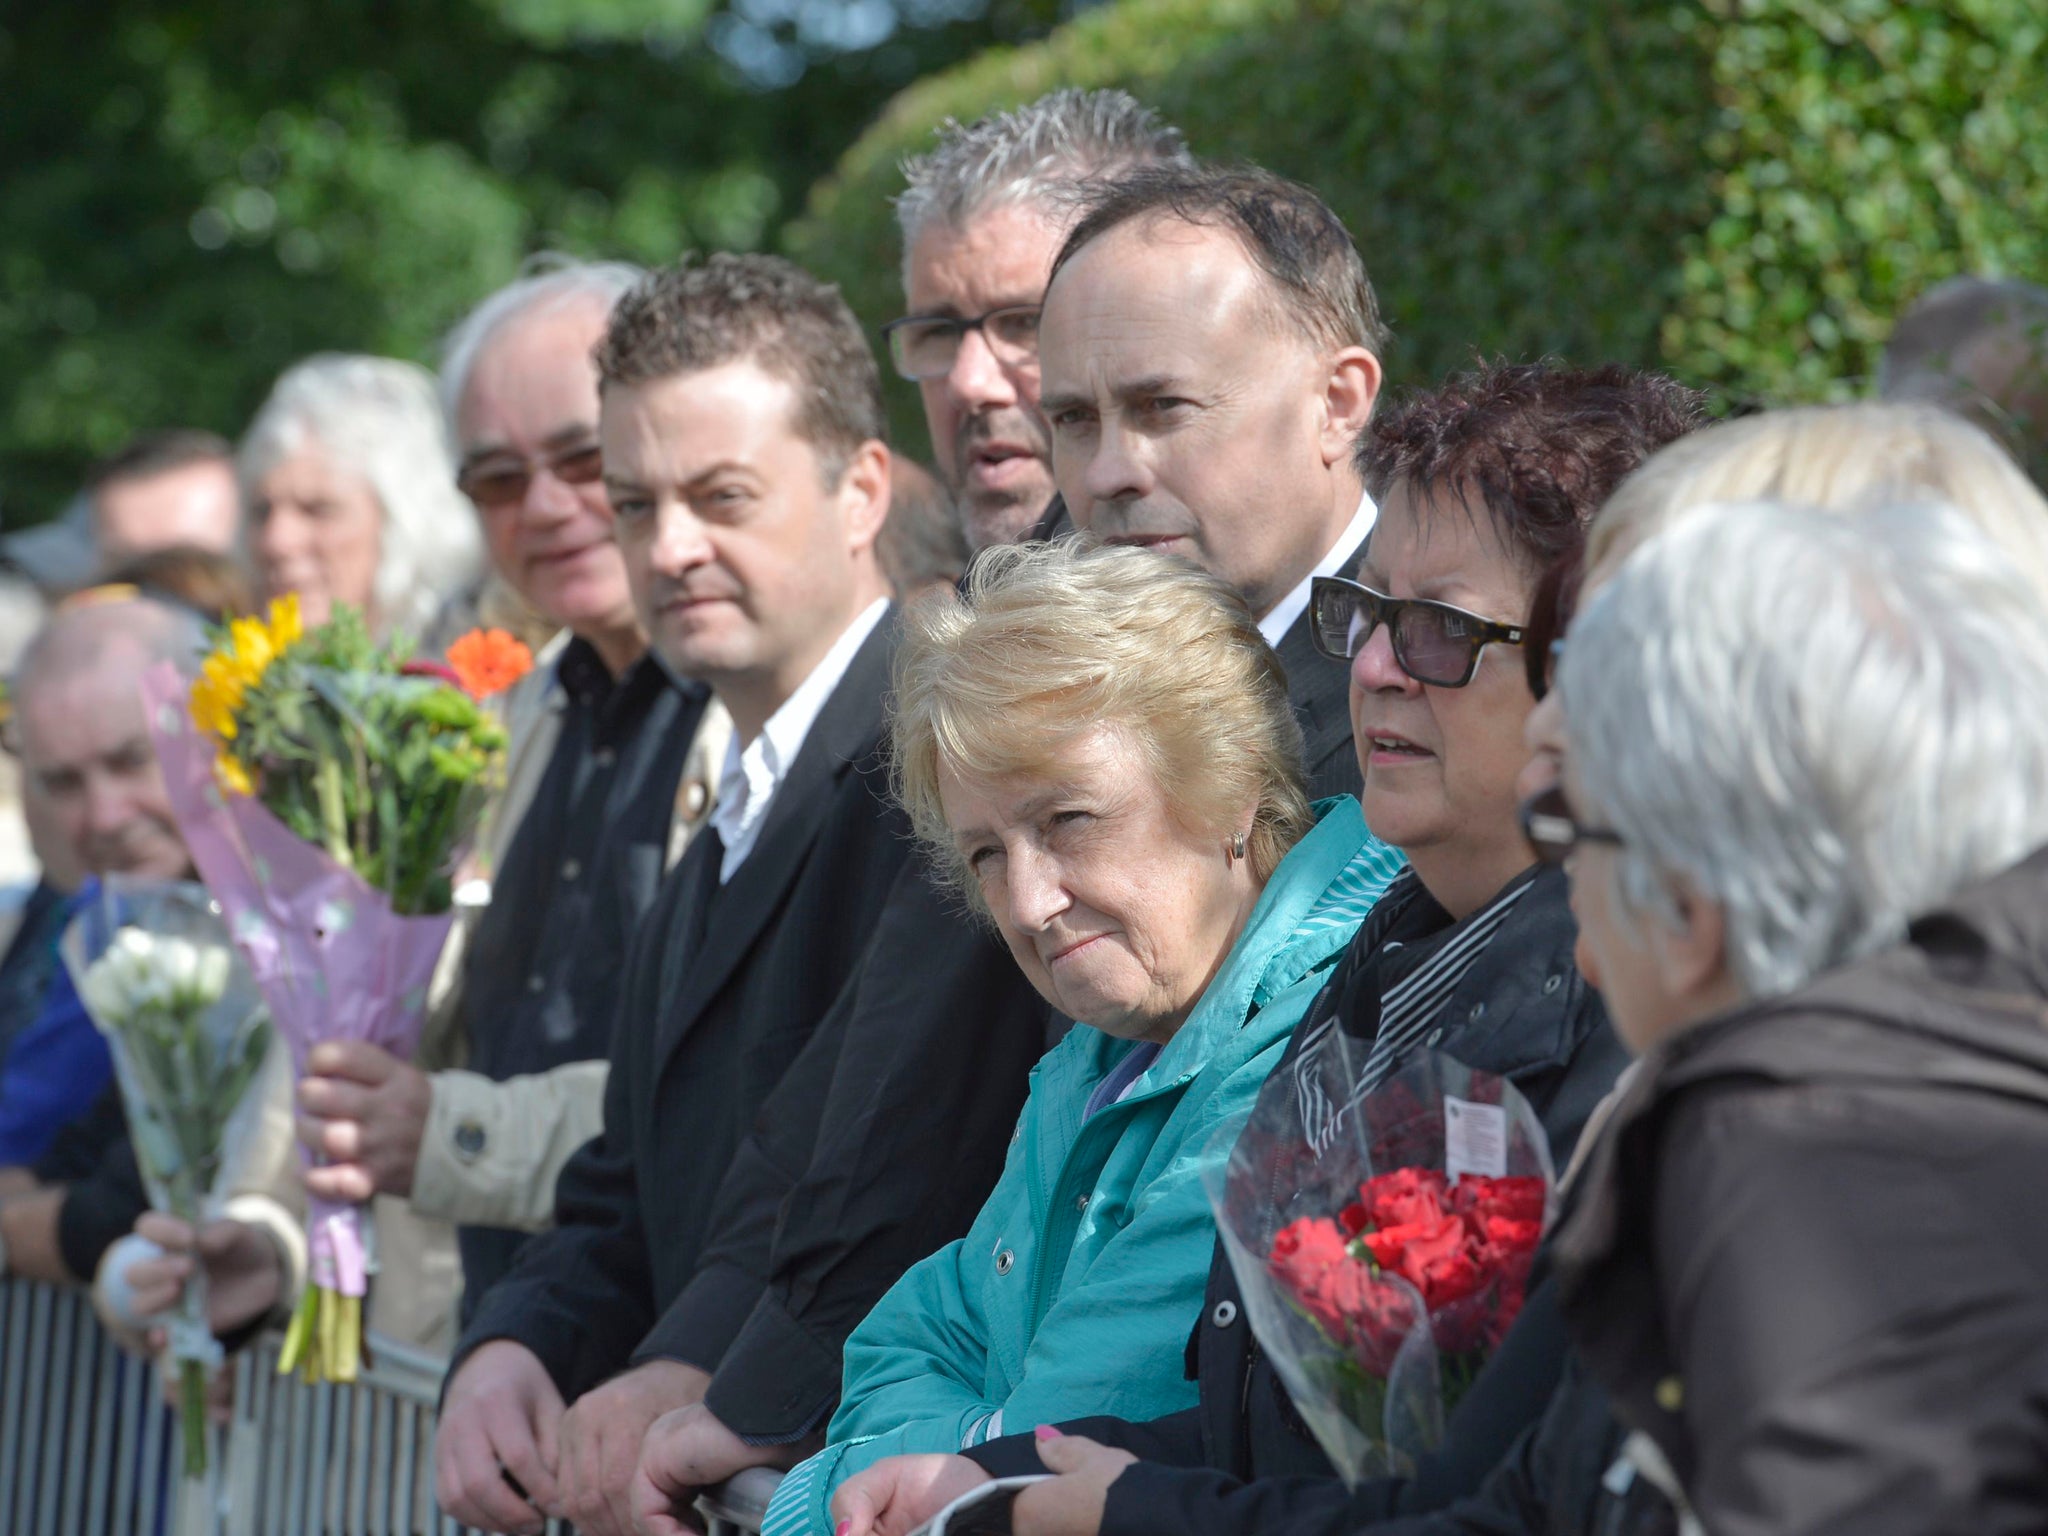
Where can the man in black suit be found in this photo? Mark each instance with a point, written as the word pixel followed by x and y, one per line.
pixel 1208 355
pixel 741 430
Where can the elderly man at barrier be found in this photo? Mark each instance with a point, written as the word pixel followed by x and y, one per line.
pixel 482 1147
pixel 741 438
pixel 85 748
pixel 1209 354
pixel 981 213
pixel 162 490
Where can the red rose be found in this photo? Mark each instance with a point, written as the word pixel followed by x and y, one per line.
pixel 1404 1196
pixel 1521 1199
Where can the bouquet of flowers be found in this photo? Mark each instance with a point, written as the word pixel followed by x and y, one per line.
pixel 188 1034
pixel 326 786
pixel 1382 1241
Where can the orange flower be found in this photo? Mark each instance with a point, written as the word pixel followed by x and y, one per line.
pixel 489 661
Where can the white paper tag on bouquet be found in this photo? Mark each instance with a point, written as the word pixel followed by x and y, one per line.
pixel 1475 1139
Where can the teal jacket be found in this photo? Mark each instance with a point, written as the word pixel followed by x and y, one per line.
pixel 1074 1291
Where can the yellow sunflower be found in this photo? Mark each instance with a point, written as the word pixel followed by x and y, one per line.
pixel 226 676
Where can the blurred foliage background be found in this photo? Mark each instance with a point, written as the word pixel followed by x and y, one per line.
pixel 1745 191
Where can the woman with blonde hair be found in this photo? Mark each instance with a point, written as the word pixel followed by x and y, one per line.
pixel 1832 456
pixel 1846 458
pixel 1097 747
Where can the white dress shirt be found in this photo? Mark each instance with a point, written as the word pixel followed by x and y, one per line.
pixel 746 787
pixel 1275 625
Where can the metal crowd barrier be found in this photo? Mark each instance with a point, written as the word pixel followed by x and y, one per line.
pixel 88 1448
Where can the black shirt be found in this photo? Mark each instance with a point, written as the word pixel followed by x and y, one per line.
pixel 541 978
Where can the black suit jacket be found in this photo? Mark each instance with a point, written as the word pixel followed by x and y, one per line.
pixel 878 1148
pixel 724 988
pixel 1320 691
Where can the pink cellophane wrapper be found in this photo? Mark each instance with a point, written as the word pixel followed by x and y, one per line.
pixel 331 958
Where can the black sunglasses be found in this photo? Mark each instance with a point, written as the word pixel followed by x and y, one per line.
pixel 1433 642
pixel 1547 822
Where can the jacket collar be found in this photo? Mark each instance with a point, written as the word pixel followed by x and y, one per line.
pixel 847 730
pixel 1284 939
pixel 1317 687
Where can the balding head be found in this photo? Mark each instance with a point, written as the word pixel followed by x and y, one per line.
pixel 85 746
pixel 1979 346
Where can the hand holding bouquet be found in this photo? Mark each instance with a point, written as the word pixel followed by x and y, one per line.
pixel 326 786
pixel 188 1035
pixel 1383 1258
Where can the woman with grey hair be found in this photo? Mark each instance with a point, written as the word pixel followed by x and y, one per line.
pixel 1803 819
pixel 351 494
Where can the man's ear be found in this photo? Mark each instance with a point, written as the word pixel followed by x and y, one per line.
pixel 864 493
pixel 1692 952
pixel 1349 393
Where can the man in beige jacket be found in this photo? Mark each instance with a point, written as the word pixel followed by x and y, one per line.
pixel 616 761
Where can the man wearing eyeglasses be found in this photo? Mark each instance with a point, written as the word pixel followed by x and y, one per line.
pixel 981 216
pixel 1209 356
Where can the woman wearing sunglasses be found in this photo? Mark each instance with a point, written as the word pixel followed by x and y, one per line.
pixel 1482 485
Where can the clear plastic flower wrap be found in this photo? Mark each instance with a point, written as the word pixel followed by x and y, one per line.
pixel 188 1032
pixel 326 786
pixel 1381 1240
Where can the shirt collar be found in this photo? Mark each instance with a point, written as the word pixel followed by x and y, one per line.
pixel 752 774
pixel 1274 626
pixel 786 729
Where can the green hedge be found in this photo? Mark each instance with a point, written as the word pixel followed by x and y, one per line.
pixel 1744 191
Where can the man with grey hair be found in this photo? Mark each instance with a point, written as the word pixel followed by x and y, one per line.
pixel 1980 346
pixel 1804 822
pixel 84 741
pixel 982 213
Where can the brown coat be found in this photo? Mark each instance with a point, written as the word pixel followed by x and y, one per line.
pixel 1809 1256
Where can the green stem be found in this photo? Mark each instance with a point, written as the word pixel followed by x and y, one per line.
pixel 192 1414
pixel 333 811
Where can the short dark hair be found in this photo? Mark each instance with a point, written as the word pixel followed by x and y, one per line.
pixel 148 454
pixel 1290 234
pixel 1540 445
pixel 762 309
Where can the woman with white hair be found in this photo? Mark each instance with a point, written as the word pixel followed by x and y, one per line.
pixel 351 494
pixel 1803 817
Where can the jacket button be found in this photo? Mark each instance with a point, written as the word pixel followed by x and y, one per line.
pixel 469 1141
pixel 571 869
pixel 536 984
pixel 1552 983
pixel 1670 1394
pixel 604 757
pixel 1478 1012
pixel 1434 1036
pixel 1225 1313
pixel 1081 1202
pixel 1005 1262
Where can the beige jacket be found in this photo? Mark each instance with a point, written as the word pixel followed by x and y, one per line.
pixel 492 1150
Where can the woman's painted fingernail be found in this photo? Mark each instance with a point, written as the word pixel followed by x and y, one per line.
pixel 842 1528
pixel 1048 1432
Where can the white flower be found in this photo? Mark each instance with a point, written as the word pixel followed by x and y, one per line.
pixel 142 973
